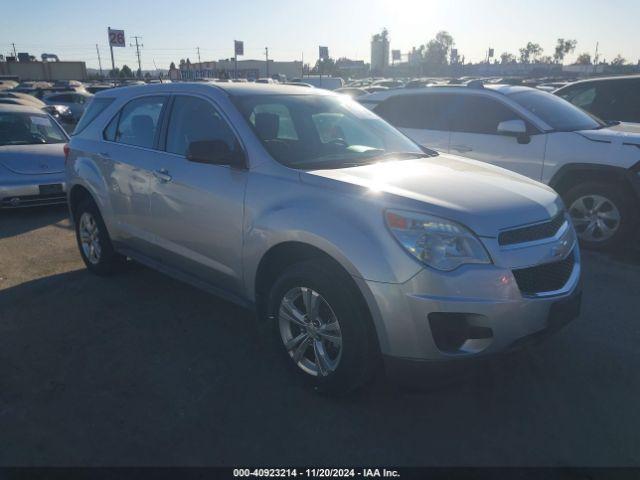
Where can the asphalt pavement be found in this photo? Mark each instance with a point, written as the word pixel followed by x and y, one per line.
pixel 139 369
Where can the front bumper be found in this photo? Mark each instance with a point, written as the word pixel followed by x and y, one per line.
pixel 409 369
pixel 473 311
pixel 33 190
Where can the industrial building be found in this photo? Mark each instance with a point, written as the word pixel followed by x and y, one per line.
pixel 26 67
pixel 379 53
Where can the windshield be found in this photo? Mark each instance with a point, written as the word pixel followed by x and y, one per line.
pixel 18 128
pixel 556 112
pixel 315 132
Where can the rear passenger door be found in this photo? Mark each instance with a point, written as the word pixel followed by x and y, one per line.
pixel 197 208
pixel 422 117
pixel 128 159
pixel 474 120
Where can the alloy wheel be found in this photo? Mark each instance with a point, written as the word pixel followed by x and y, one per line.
pixel 89 238
pixel 595 218
pixel 310 331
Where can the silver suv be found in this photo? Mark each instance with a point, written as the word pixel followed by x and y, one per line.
pixel 352 241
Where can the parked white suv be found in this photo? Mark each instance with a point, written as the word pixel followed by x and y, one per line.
pixel 595 166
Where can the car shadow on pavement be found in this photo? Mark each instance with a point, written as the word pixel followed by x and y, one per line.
pixel 22 220
pixel 141 369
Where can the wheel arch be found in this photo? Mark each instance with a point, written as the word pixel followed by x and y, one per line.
pixel 77 194
pixel 573 174
pixel 281 256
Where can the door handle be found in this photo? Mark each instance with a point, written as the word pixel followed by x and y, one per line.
pixel 162 175
pixel 461 148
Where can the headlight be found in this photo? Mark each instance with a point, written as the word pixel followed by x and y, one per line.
pixel 439 243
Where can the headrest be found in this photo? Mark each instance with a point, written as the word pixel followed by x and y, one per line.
pixel 267 125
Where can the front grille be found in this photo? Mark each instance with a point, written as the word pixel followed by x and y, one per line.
pixel 544 278
pixel 33 200
pixel 532 232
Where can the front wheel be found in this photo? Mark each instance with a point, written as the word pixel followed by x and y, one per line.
pixel 602 214
pixel 322 327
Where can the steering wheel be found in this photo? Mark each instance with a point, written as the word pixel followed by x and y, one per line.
pixel 338 142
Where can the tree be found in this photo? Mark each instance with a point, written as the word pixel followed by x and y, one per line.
pixel 562 48
pixel 382 36
pixel 437 50
pixel 583 59
pixel 327 67
pixel 530 52
pixel 618 61
pixel 125 72
pixel 507 57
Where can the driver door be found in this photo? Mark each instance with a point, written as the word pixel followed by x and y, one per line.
pixel 197 209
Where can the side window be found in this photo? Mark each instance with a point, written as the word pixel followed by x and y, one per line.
pixel 139 121
pixel 426 111
pixel 273 121
pixel 584 98
pixel 194 119
pixel 625 101
pixel 95 108
pixel 110 132
pixel 479 114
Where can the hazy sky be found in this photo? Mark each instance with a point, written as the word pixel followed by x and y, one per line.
pixel 171 30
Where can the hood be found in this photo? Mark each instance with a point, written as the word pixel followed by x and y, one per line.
pixel 621 133
pixel 33 159
pixel 483 197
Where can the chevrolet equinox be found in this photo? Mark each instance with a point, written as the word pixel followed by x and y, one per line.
pixel 352 241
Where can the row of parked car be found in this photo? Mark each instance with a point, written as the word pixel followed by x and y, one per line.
pixel 65 101
pixel 609 98
pixel 355 240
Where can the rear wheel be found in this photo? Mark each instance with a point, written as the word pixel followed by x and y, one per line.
pixel 322 328
pixel 94 243
pixel 602 214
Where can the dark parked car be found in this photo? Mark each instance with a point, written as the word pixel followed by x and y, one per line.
pixel 610 98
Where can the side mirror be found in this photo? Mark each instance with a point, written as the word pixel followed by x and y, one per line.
pixel 214 152
pixel 514 128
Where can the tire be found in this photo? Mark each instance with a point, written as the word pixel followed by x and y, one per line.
pixel 315 355
pixel 94 242
pixel 603 214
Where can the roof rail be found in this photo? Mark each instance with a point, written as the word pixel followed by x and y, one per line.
pixel 479 83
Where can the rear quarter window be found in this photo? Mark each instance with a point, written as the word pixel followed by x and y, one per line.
pixel 96 107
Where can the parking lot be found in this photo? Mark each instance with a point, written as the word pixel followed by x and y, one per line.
pixel 141 369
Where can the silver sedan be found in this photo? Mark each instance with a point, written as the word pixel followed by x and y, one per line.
pixel 31 158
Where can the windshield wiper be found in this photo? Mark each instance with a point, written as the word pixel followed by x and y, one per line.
pixel 342 163
pixel 401 155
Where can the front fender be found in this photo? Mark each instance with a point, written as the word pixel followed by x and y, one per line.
pixel 354 235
